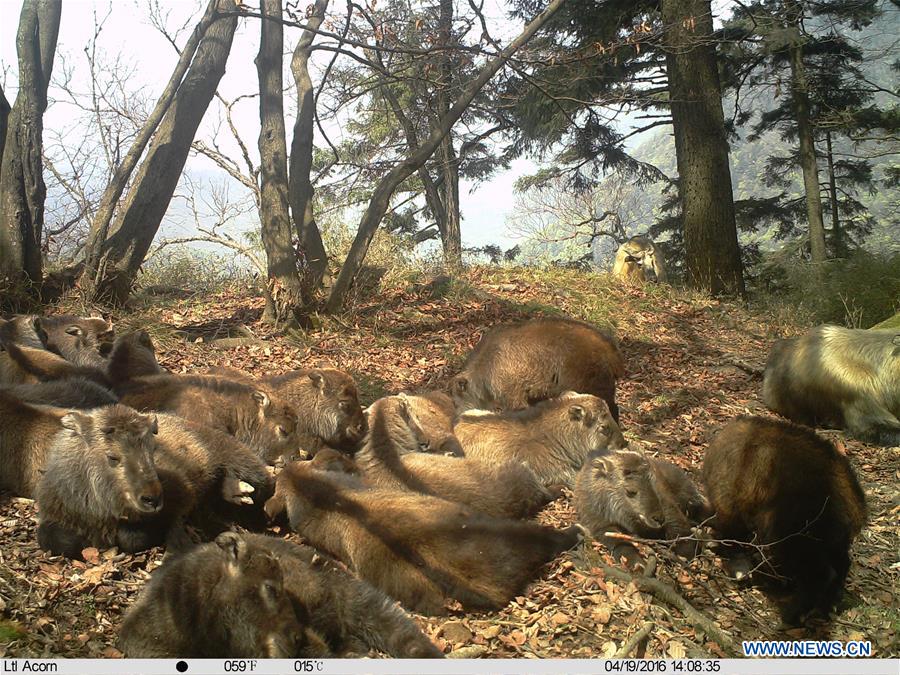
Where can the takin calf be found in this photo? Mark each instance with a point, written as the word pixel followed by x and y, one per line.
pixel 115 477
pixel 838 377
pixel 390 459
pixel 628 492
pixel 253 415
pixel 326 401
pixel 435 413
pixel 518 365
pixel 416 548
pixel 552 438
pixel 796 498
pixel 221 600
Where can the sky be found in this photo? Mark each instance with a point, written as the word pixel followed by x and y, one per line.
pixel 127 31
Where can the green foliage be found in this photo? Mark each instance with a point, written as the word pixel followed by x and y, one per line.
pixel 10 631
pixel 858 291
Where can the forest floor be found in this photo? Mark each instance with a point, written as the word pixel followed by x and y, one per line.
pixel 692 365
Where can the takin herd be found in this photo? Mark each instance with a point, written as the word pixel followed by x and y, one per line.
pixel 418 499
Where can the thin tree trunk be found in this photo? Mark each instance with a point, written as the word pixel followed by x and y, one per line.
pixel 140 216
pixel 432 196
pixel 284 279
pixel 381 197
pixel 300 187
pixel 22 189
pixel 837 236
pixel 4 119
pixel 451 237
pixel 712 255
pixel 800 100
pixel 119 181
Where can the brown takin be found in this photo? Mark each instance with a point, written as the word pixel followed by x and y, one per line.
pixel 78 339
pixel 25 433
pixel 416 548
pixel 435 414
pixel 220 600
pixel 552 438
pixel 326 400
pixel 518 365
pixel 390 459
pixel 796 501
pixel 114 476
pixel 350 615
pixel 838 377
pixel 254 415
pixel 631 493
pixel 131 356
pixel 24 332
pixel 72 393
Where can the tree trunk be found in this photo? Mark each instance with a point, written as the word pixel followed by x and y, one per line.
pixel 113 192
pixel 148 198
pixel 381 197
pixel 800 101
pixel 838 245
pixel 712 255
pixel 451 237
pixel 432 196
pixel 283 278
pixel 22 189
pixel 300 187
pixel 4 118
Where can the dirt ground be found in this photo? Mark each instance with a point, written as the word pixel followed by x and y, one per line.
pixel 692 365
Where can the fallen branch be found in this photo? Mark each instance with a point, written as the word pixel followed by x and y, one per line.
pixel 634 641
pixel 662 591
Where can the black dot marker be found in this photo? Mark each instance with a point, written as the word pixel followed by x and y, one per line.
pixel 181 666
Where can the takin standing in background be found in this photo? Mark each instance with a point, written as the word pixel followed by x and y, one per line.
pixel 416 548
pixel 115 477
pixel 326 401
pixel 552 438
pixel 221 600
pixel 518 365
pixel 390 459
pixel 839 377
pixel 639 260
pixel 253 415
pixel 791 495
pixel 631 493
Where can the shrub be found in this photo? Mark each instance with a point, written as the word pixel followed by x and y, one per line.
pixel 858 292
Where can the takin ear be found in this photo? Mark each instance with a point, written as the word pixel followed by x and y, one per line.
pixel 576 413
pixel 77 422
pixel 317 379
pixel 74 330
pixel 153 423
pixel 403 407
pixel 38 327
pixel 261 398
pixel 144 339
pixel 601 467
pixel 234 546
pixel 275 506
